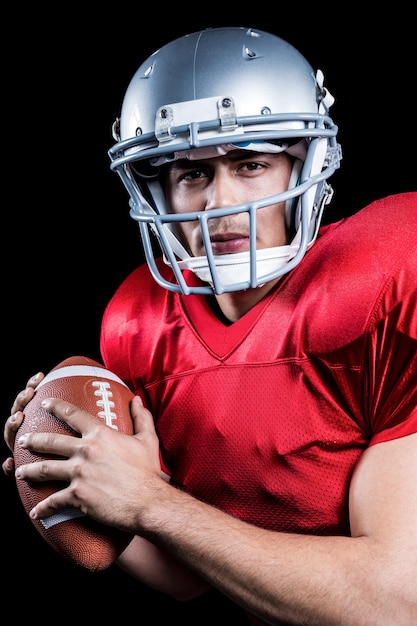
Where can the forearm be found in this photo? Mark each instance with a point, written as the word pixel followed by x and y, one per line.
pixel 281 577
pixel 155 568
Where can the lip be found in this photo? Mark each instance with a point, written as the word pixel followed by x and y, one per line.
pixel 229 243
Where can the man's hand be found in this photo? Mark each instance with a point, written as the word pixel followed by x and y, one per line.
pixel 110 475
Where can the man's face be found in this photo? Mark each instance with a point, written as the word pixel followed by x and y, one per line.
pixel 237 177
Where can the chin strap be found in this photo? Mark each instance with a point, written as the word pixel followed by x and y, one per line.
pixel 235 268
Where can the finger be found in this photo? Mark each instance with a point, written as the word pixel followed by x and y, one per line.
pixel 27 394
pixel 11 427
pixel 8 466
pixel 78 419
pixel 56 503
pixel 56 444
pixel 44 470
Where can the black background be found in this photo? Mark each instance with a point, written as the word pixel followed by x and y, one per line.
pixel 68 239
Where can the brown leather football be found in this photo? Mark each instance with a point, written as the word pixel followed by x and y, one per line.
pixel 87 384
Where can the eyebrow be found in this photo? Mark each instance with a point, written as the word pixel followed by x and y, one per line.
pixel 233 155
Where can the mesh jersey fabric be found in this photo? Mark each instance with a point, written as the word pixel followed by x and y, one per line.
pixel 266 418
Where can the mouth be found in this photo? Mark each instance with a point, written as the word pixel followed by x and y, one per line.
pixel 229 243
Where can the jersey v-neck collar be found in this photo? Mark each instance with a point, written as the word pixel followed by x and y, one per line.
pixel 221 339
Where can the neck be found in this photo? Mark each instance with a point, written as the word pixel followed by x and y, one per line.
pixel 230 307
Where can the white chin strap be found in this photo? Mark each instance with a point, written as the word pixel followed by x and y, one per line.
pixel 235 268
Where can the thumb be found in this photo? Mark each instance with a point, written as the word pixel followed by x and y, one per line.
pixel 143 423
pixel 144 426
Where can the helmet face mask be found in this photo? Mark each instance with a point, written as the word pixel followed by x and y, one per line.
pixel 200 96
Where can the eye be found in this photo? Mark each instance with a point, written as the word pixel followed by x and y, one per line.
pixel 194 174
pixel 252 165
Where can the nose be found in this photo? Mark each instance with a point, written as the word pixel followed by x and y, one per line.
pixel 222 190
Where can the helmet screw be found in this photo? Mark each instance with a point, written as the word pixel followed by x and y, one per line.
pixel 226 103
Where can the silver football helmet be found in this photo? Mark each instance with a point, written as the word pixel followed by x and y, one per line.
pixel 211 91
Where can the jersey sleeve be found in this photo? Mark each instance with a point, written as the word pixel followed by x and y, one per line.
pixel 392 357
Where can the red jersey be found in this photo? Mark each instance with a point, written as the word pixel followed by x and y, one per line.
pixel 266 418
